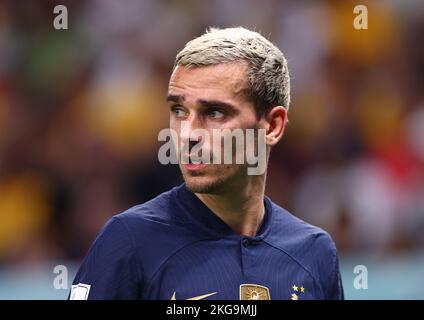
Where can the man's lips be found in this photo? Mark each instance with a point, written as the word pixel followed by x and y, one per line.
pixel 194 167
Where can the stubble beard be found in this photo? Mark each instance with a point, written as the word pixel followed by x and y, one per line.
pixel 217 182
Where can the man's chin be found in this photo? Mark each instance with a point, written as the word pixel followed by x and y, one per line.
pixel 202 184
pixel 213 180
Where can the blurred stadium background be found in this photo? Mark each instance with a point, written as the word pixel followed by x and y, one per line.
pixel 80 110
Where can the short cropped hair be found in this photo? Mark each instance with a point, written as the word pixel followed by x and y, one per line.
pixel 268 75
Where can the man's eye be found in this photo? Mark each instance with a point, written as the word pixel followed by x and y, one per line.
pixel 216 114
pixel 178 111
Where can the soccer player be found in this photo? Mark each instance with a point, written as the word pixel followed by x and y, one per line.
pixel 217 236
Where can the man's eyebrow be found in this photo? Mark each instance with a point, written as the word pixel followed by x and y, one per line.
pixel 217 103
pixel 175 98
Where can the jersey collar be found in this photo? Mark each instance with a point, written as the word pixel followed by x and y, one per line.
pixel 208 220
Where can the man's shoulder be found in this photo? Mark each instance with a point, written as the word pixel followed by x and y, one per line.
pixel 140 224
pixel 304 242
pixel 161 216
pixel 151 230
pixel 311 247
pixel 158 210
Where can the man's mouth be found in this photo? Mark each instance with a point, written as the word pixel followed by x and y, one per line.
pixel 192 166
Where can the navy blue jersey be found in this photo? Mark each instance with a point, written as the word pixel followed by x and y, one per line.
pixel 174 247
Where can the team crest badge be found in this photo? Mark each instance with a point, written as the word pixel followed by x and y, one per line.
pixel 254 292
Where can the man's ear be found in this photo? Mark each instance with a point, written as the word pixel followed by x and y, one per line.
pixel 275 123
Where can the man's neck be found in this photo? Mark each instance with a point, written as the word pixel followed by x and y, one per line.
pixel 241 209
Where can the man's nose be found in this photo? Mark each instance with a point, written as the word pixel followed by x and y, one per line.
pixel 189 128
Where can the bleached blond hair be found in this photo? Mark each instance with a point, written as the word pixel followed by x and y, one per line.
pixel 268 75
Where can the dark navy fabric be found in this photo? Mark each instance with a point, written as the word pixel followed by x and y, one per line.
pixel 174 247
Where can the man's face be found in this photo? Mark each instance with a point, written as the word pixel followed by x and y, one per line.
pixel 209 98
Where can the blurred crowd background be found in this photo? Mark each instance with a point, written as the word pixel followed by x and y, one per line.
pixel 80 111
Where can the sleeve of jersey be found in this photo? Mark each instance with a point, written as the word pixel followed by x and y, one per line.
pixel 331 280
pixel 336 292
pixel 110 269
